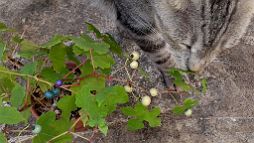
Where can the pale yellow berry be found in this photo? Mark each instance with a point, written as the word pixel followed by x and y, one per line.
pixel 146 100
pixel 135 55
pixel 188 113
pixel 128 88
pixel 134 65
pixel 153 92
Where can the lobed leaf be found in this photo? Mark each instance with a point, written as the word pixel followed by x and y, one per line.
pixel 140 114
pixel 18 95
pixel 57 56
pixel 54 41
pixel 10 115
pixel 29 68
pixel 66 104
pixel 52 128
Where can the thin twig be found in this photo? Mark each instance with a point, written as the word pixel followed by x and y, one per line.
pixel 127 72
pixel 91 56
pixel 15 48
pixel 73 70
pixel 78 135
pixel 26 75
pixel 58 136
pixel 22 132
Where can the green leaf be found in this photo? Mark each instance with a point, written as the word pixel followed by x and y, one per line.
pixel 87 68
pixel 92 28
pixel 57 57
pixel 111 96
pixel 81 43
pixel 29 68
pixel 204 86
pixel 107 38
pixel 10 115
pixel 86 43
pixel 190 103
pixel 52 128
pixel 86 96
pixel 18 94
pixel 103 127
pixel 86 99
pixel 17 39
pixel 187 104
pixel 135 124
pixel 2 50
pixel 114 46
pixel 55 40
pixel 6 84
pixel 103 61
pixel 67 104
pixel 50 75
pixel 28 49
pixel 3 27
pixel 26 114
pixel 2 138
pixel 139 114
pixel 179 80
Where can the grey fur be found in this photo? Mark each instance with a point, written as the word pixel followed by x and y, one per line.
pixel 186 34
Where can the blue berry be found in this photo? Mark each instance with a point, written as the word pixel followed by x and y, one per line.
pixel 36 129
pixel 55 91
pixel 59 83
pixel 49 95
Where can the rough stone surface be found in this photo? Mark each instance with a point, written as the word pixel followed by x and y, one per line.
pixel 225 113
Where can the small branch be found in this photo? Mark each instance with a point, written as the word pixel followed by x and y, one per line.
pixel 27 76
pixel 91 56
pixel 58 136
pixel 78 135
pixel 74 124
pixel 127 72
pixel 15 48
pixel 22 132
pixel 73 70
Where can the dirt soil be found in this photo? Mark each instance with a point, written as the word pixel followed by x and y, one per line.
pixel 225 113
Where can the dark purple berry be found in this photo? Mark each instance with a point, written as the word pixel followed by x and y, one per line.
pixel 59 83
pixel 48 95
pixel 56 91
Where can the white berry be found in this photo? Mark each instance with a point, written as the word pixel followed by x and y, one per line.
pixel 153 92
pixel 37 129
pixel 134 65
pixel 128 88
pixel 135 56
pixel 188 113
pixel 146 100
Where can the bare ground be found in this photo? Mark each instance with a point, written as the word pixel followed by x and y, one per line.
pixel 225 113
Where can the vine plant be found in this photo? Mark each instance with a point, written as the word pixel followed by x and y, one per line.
pixel 64 82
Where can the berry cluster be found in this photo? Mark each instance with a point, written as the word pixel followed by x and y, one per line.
pixel 55 91
pixel 146 100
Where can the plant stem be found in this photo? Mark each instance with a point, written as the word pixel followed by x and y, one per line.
pixel 73 70
pixel 91 56
pixel 78 135
pixel 27 76
pixel 58 136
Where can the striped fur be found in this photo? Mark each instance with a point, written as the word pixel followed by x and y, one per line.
pixel 186 34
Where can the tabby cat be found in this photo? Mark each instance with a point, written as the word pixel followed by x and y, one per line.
pixel 185 34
